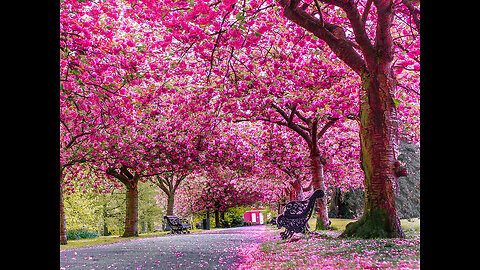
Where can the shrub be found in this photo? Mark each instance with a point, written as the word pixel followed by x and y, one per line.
pixel 237 221
pixel 80 234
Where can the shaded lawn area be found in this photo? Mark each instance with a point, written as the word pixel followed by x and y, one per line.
pixel 323 250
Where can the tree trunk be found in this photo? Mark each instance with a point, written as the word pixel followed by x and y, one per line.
pixel 170 203
pixel 323 222
pixel 169 186
pixel 335 202
pixel 131 182
pixel 222 218
pixel 131 217
pixel 378 128
pixel 63 225
pixel 105 214
pixel 298 190
pixel 217 219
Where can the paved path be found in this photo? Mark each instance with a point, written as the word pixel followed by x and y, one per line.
pixel 215 249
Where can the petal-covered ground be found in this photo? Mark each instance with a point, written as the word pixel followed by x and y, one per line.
pixel 326 251
pixel 254 247
pixel 215 249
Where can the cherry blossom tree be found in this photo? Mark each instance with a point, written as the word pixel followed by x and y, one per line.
pixel 373 26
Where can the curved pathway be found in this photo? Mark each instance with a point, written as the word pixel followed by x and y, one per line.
pixel 215 249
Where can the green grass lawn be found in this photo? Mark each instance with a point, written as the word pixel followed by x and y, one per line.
pixel 339 223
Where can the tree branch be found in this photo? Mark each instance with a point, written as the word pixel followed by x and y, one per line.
pixel 294 126
pixel 413 12
pixel 365 12
pixel 314 147
pixel 74 138
pixel 319 12
pixel 179 180
pixel 161 184
pixel 215 47
pixel 305 120
pixel 327 125
pixel 125 171
pixel 280 111
pixel 341 47
pixel 122 178
pixel 383 37
pixel 292 110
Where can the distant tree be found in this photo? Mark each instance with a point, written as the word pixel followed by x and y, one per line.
pixel 407 198
pixel 349 203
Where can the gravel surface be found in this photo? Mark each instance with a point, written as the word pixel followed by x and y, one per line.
pixel 215 249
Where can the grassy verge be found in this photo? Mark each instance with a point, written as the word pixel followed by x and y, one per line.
pixel 323 250
pixel 111 239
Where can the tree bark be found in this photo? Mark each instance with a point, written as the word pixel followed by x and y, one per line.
pixel 323 221
pixel 105 214
pixel 378 141
pixel 335 203
pixel 131 182
pixel 217 219
pixel 298 190
pixel 170 202
pixel 131 216
pixel 63 226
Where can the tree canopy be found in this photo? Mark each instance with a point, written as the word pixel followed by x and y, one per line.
pixel 236 91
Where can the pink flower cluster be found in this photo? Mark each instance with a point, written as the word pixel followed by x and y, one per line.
pixel 185 86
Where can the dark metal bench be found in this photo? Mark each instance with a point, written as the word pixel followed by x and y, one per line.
pixel 176 225
pixel 296 215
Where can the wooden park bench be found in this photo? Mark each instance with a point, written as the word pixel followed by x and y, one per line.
pixel 176 225
pixel 296 215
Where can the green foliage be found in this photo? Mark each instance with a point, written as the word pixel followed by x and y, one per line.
pixel 149 213
pixel 80 210
pixel 234 215
pixel 236 221
pixel 80 234
pixel 347 204
pixel 104 213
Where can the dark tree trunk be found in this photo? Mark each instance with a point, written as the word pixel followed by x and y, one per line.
pixel 131 216
pixel 217 219
pixel 105 214
pixel 222 218
pixel 170 203
pixel 63 226
pixel 316 160
pixel 335 203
